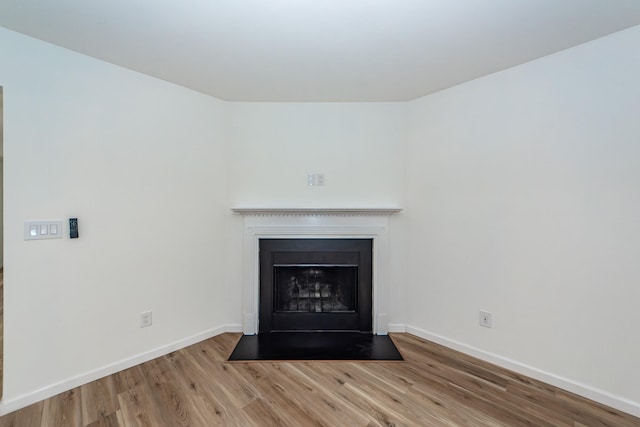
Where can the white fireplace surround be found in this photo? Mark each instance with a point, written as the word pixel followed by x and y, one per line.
pixel 320 223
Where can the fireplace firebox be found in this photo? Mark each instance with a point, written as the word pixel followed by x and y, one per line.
pixel 315 285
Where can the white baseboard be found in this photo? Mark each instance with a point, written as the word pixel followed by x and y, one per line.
pixel 601 396
pixel 397 327
pixel 7 406
pixel 233 327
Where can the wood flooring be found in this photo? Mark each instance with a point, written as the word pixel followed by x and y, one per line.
pixel 434 386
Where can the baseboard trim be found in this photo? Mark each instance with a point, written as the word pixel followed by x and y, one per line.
pixel 578 388
pixel 8 406
pixel 397 327
pixel 233 327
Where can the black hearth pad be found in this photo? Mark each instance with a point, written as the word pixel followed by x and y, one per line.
pixel 315 346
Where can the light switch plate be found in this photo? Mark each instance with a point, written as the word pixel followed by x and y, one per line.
pixel 38 230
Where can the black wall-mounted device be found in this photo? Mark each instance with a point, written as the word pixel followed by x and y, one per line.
pixel 73 228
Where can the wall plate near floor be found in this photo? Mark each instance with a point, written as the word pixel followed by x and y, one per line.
pixel 486 319
pixel 146 319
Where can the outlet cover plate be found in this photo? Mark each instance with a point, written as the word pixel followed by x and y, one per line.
pixel 146 319
pixel 486 319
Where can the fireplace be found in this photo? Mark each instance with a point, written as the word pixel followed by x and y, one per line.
pixel 315 285
pixel 315 223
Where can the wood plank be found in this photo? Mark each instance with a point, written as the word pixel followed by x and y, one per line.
pixel 29 416
pixel 313 401
pixel 139 409
pixel 203 406
pixel 261 413
pixel 99 400
pixel 110 420
pixel 226 412
pixel 63 410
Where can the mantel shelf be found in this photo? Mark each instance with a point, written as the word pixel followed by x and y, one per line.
pixel 315 211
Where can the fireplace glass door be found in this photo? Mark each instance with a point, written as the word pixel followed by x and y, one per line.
pixel 315 288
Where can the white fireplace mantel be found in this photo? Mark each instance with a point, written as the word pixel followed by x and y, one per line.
pixel 305 223
pixel 316 211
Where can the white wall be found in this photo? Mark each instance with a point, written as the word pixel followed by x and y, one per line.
pixel 141 163
pixel 524 201
pixel 360 148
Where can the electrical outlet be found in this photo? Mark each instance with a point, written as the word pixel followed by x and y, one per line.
pixel 486 319
pixel 145 319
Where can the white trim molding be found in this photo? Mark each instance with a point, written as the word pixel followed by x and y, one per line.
pixel 19 402
pixel 317 211
pixel 572 386
pixel 322 223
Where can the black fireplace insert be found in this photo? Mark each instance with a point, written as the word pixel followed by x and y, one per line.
pixel 315 285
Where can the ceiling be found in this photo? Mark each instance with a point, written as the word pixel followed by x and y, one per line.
pixel 318 50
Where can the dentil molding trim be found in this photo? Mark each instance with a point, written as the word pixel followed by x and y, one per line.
pixel 316 211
